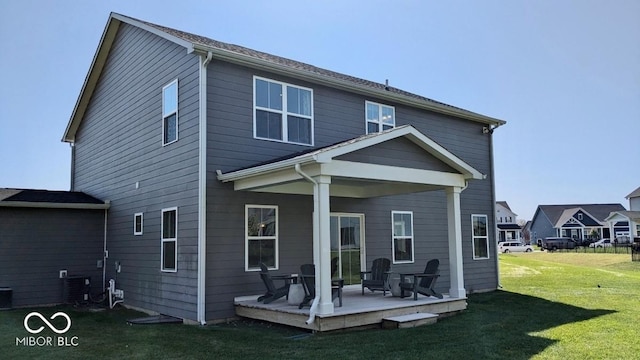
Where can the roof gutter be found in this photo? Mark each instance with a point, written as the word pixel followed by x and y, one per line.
pixel 263 169
pixel 250 61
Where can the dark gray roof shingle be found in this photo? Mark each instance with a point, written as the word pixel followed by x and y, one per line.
pixel 47 196
pixel 599 211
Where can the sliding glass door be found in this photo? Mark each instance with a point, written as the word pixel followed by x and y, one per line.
pixel 347 245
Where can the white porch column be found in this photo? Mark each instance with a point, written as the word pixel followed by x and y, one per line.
pixel 323 268
pixel 612 234
pixel 455 243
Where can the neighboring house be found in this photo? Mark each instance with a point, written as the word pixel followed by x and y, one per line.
pixel 506 220
pixel 43 232
pixel 634 200
pixel 216 158
pixel 580 222
pixel 631 217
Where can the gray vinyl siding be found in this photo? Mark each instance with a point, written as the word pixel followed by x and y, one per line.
pixel 389 152
pixel 541 226
pixel 37 243
pixel 338 116
pixel 119 157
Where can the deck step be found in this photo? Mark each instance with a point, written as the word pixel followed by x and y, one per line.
pixel 409 320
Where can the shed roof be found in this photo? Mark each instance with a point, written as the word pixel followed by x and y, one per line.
pixel 49 199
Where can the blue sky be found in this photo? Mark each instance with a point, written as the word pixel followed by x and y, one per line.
pixel 565 75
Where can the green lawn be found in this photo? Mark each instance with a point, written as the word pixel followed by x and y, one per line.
pixel 550 307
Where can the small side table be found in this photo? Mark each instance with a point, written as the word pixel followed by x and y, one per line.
pixel 394 285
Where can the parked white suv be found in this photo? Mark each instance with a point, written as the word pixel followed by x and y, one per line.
pixel 513 246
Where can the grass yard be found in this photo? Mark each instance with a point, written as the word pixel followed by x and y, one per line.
pixel 550 307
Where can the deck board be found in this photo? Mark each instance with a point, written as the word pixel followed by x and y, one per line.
pixel 357 311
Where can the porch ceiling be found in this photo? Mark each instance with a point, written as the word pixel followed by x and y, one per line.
pixel 355 179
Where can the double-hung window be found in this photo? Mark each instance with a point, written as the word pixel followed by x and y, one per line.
pixel 379 117
pixel 282 112
pixel 170 113
pixel 402 222
pixel 261 245
pixel 480 236
pixel 169 246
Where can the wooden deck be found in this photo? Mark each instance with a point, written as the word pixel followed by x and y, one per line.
pixel 357 311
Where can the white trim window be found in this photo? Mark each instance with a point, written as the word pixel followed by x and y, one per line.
pixel 402 222
pixel 480 236
pixel 169 240
pixel 138 223
pixel 170 113
pixel 261 236
pixel 282 112
pixel 379 117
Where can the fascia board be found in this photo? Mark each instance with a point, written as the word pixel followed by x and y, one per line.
pixel 177 40
pixel 49 205
pixel 265 169
pixel 91 80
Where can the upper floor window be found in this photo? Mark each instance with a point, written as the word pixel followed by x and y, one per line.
pixel 379 117
pixel 402 236
pixel 170 113
pixel 282 112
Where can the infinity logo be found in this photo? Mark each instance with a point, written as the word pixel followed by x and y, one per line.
pixel 53 328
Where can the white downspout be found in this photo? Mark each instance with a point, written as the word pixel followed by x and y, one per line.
pixel 494 243
pixel 316 242
pixel 104 252
pixel 202 190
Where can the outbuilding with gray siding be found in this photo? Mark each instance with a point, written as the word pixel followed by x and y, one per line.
pixel 43 233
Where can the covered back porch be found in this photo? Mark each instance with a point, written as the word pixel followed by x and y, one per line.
pixel 355 169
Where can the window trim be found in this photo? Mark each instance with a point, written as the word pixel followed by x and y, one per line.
pixel 284 112
pixel 163 240
pixel 474 237
pixel 165 116
pixel 379 121
pixel 393 238
pixel 247 237
pixel 135 222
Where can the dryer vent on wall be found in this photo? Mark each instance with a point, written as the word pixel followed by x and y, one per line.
pixel 76 289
